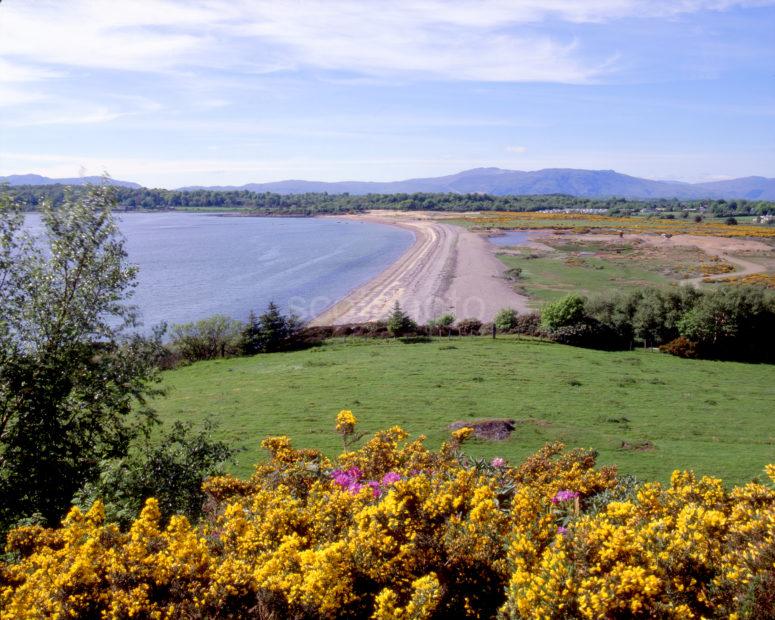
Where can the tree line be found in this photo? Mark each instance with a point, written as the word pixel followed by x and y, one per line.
pixel 32 197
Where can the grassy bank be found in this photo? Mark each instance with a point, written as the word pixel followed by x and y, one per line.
pixel 715 417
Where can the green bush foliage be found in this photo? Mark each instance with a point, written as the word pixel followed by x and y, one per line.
pixel 73 378
pixel 215 336
pixel 564 312
pixel 506 319
pixel 399 323
pixel 732 322
pixel 270 331
pixel 170 468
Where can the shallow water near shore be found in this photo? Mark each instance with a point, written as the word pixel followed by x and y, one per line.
pixel 512 237
pixel 195 265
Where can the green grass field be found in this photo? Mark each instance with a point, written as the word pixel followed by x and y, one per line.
pixel 592 266
pixel 714 417
pixel 549 278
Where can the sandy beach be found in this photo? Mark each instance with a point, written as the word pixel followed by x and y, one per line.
pixel 447 270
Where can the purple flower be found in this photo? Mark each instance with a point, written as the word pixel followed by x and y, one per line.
pixel 375 488
pixel 340 477
pixel 564 496
pixel 498 462
pixel 562 530
pixel 348 479
pixel 390 478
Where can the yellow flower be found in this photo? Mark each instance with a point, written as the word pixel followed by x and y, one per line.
pixel 441 538
pixel 461 434
pixel 345 422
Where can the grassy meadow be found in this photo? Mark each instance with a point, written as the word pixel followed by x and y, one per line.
pixel 548 278
pixel 593 266
pixel 646 412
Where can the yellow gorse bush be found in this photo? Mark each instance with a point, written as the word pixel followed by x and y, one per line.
pixel 396 531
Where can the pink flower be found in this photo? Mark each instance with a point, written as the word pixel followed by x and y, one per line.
pixel 348 479
pixel 340 477
pixel 564 496
pixel 562 530
pixel 498 462
pixel 390 478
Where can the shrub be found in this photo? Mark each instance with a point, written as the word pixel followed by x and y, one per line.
pixel 269 332
pixel 564 312
pixel 399 323
pixel 217 336
pixel 527 324
pixel 577 335
pixel 395 530
pixel 171 468
pixel 506 319
pixel 441 324
pixel 469 327
pixel 681 347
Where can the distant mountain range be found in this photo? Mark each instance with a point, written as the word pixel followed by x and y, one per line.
pixel 36 179
pixel 585 183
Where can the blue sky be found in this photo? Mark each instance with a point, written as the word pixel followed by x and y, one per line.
pixel 171 93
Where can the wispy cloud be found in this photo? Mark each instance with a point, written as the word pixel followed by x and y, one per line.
pixel 328 79
pixel 463 39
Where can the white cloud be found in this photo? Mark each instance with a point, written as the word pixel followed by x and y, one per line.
pixel 462 39
pixel 516 149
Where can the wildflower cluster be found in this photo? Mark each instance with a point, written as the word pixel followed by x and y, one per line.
pixel 352 480
pixel 394 530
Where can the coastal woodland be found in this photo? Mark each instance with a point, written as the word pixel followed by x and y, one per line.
pixel 30 197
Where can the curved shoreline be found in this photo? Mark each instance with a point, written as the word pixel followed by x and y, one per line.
pixel 446 270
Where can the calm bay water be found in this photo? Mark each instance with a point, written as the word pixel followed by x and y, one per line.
pixel 512 237
pixel 195 265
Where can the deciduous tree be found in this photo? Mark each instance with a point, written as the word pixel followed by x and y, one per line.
pixel 73 377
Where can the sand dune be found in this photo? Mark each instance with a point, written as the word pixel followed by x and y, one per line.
pixel 447 269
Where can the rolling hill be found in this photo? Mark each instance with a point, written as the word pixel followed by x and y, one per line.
pixel 586 183
pixel 36 179
pixel 496 181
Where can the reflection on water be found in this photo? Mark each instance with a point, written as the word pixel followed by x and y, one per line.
pixel 195 265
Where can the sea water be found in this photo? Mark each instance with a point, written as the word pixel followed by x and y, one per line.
pixel 192 266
